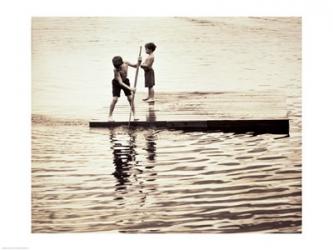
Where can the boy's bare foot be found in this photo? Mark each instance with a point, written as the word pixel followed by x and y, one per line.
pixel 150 100
pixel 145 99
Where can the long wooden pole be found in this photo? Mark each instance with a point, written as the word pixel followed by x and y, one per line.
pixel 135 81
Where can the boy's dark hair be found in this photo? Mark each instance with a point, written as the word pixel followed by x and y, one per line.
pixel 150 46
pixel 117 61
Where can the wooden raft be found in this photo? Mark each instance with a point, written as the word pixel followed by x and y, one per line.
pixel 239 112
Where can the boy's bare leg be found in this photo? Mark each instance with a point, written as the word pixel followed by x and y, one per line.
pixel 151 95
pixel 113 104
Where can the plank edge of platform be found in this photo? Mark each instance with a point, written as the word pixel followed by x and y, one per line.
pixel 279 126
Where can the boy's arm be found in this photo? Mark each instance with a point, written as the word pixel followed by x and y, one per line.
pixel 134 65
pixel 120 81
pixel 131 64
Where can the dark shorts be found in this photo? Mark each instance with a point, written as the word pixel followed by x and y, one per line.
pixel 149 78
pixel 116 87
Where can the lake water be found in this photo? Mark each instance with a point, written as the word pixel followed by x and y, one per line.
pixel 153 180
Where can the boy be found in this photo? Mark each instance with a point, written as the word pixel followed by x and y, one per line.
pixel 149 72
pixel 121 82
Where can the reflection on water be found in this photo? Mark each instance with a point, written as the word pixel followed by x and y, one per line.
pixel 150 136
pixel 123 147
pixel 164 181
pixel 150 146
pixel 151 115
pixel 124 152
pixel 124 156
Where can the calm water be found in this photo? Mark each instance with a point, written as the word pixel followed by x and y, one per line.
pixel 89 180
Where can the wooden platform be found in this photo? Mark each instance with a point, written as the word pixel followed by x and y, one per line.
pixel 258 112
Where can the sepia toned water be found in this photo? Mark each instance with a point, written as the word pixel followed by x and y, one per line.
pixel 155 180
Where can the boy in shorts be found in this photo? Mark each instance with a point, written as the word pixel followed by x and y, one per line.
pixel 147 66
pixel 121 82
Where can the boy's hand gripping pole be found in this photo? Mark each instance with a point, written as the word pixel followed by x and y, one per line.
pixel 135 81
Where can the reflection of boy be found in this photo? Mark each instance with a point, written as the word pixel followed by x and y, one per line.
pixel 121 82
pixel 149 71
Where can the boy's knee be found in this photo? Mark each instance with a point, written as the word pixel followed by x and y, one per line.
pixel 115 99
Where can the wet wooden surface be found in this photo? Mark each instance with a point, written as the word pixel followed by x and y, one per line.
pixel 238 111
